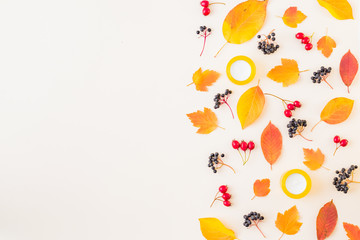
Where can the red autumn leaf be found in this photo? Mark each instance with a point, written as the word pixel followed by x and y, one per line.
pixel 348 68
pixel 352 231
pixel 326 220
pixel 271 143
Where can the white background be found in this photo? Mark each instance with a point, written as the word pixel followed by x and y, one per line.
pixel 95 142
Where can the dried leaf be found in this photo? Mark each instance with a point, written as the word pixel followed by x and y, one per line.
pixel 326 45
pixel 288 73
pixel 352 231
pixel 262 187
pixel 206 121
pixel 292 17
pixel 213 229
pixel 250 106
pixel 244 21
pixel 288 223
pixel 337 110
pixel 271 143
pixel 314 160
pixel 326 220
pixel 348 68
pixel 204 79
pixel 340 9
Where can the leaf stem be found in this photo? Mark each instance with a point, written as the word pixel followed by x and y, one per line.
pixel 190 84
pixel 253 197
pixel 316 125
pixel 221 49
pixel 303 71
pixel 325 168
pixel 220 127
pixel 281 236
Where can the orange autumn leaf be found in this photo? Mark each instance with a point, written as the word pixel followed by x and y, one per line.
pixel 271 143
pixel 288 73
pixel 292 17
pixel 326 45
pixel 352 231
pixel 288 223
pixel 326 220
pixel 261 188
pixel 348 68
pixel 314 160
pixel 244 21
pixel 202 80
pixel 250 106
pixel 214 229
pixel 206 121
pixel 340 9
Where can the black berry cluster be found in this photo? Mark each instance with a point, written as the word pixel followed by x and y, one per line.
pixel 252 217
pixel 267 44
pixel 214 161
pixel 203 29
pixel 321 75
pixel 221 98
pixel 295 127
pixel 342 181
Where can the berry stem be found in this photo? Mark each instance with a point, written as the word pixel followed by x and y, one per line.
pixel 216 3
pixel 203 45
pixel 214 199
pixel 247 158
pixel 241 156
pixel 221 49
pixel 283 100
pixel 304 137
pixel 324 79
pixel 224 164
pixel 316 125
pixel 230 109
pixel 336 150
pixel 354 181
pixel 256 225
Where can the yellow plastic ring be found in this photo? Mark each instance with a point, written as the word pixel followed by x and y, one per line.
pixel 308 183
pixel 241 58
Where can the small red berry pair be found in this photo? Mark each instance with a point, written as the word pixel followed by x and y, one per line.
pixel 224 197
pixel 305 40
pixel 244 146
pixel 205 4
pixel 291 107
pixel 340 143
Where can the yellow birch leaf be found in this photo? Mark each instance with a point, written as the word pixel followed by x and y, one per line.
pixel 340 9
pixel 337 110
pixel 213 229
pixel 292 17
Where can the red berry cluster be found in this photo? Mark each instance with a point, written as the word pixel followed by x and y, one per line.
pixel 305 40
pixel 224 197
pixel 244 146
pixel 340 143
pixel 291 107
pixel 205 4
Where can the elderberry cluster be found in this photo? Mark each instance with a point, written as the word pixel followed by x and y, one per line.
pixel 213 160
pixel 221 98
pixel 252 217
pixel 293 126
pixel 268 45
pixel 320 74
pixel 202 29
pixel 341 182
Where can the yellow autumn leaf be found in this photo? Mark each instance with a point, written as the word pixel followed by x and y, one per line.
pixel 340 9
pixel 213 229
pixel 326 45
pixel 250 106
pixel 292 17
pixel 288 223
pixel 314 160
pixel 288 73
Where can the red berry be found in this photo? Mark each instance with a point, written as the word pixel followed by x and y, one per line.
pixel 299 35
pixel 336 139
pixel 344 143
pixel 251 145
pixel 235 144
pixel 243 145
pixel 305 40
pixel 227 203
pixel 297 104
pixel 226 196
pixel 204 3
pixel 287 113
pixel 223 189
pixel 308 46
pixel 290 106
pixel 206 11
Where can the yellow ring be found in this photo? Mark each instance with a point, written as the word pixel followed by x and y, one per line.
pixel 308 183
pixel 246 59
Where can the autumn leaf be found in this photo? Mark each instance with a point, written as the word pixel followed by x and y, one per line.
pixel 292 17
pixel 348 68
pixel 288 73
pixel 340 9
pixel 244 21
pixel 288 223
pixel 326 220
pixel 213 229
pixel 206 121
pixel 204 79
pixel 271 143
pixel 314 160
pixel 250 106
pixel 336 111
pixel 352 231
pixel 261 188
pixel 326 45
